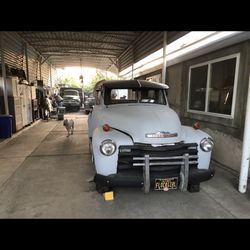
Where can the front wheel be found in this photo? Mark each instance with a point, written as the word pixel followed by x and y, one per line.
pixel 194 188
pixel 101 189
pixel 91 150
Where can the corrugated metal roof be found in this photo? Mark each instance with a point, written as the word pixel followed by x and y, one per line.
pixel 147 43
pixel 14 57
pixel 98 49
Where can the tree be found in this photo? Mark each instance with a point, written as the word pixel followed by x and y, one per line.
pixel 88 88
pixel 67 82
pixel 96 78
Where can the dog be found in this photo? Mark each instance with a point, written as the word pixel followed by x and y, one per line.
pixel 69 125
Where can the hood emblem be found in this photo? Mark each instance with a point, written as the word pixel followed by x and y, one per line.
pixel 161 134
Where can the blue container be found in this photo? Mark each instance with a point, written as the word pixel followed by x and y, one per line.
pixel 5 126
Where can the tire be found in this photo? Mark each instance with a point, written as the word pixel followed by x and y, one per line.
pixel 194 188
pixel 101 189
pixel 90 149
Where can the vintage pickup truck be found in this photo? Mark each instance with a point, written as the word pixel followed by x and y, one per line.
pixel 137 140
pixel 71 99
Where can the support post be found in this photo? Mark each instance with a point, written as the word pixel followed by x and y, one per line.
pixel 164 65
pixel 40 68
pixel 5 94
pixel 245 147
pixel 133 55
pixel 27 61
pixel 50 74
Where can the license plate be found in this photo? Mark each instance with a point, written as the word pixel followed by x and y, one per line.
pixel 166 184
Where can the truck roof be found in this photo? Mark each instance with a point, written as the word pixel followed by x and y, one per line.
pixel 132 84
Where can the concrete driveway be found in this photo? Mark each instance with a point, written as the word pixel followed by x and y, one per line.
pixel 44 174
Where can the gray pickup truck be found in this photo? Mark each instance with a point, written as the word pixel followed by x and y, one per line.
pixel 71 99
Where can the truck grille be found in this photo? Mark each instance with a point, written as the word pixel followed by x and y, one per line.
pixel 164 159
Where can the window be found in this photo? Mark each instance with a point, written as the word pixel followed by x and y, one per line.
pixel 142 95
pixel 123 94
pixel 198 88
pixel 212 86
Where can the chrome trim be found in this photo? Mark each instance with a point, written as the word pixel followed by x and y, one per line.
pixel 161 134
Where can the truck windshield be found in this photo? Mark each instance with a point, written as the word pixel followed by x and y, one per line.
pixel 142 95
pixel 71 92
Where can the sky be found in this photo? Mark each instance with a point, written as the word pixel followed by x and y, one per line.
pixel 75 72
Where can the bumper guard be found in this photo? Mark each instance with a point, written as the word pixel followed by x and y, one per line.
pixel 186 159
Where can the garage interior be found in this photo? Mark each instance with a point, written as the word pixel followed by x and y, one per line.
pixel 44 174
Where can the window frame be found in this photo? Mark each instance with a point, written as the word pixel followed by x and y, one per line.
pixel 236 76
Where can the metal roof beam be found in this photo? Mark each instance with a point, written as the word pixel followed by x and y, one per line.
pixel 77 62
pixel 113 63
pixel 123 33
pixel 37 40
pixel 122 39
pixel 130 45
pixel 46 58
pixel 78 54
pixel 71 59
pixel 115 33
pixel 75 47
pixel 116 42
pixel 83 59
pixel 84 34
pixel 133 43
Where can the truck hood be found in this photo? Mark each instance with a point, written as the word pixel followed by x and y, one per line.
pixel 140 119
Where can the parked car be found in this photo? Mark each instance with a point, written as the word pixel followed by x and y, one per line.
pixel 137 140
pixel 88 104
pixel 71 99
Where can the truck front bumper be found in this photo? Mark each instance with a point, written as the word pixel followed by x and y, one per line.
pixel 195 176
pixel 146 166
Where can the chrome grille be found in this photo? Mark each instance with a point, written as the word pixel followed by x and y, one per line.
pixel 168 158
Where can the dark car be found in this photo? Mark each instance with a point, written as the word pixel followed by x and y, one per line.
pixel 88 104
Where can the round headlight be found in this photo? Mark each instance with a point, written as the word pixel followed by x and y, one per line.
pixel 108 147
pixel 207 144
